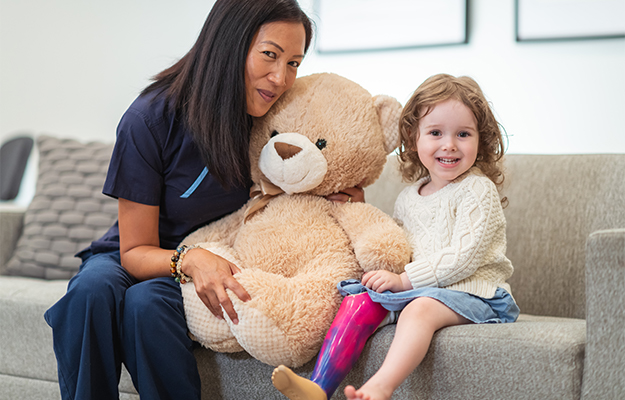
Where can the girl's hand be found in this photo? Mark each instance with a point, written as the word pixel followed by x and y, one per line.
pixel 381 281
pixel 350 195
pixel 212 275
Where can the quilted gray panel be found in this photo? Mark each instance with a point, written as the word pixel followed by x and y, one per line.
pixel 68 210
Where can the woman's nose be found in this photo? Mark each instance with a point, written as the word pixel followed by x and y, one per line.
pixel 278 76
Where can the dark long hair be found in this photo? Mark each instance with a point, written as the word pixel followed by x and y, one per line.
pixel 207 85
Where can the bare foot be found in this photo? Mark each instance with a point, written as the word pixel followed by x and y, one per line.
pixel 367 392
pixel 294 386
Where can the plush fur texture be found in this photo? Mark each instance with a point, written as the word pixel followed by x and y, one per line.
pixel 325 134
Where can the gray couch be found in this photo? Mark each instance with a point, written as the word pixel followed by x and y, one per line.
pixel 566 240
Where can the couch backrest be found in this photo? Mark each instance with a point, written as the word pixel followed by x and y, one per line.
pixel 555 202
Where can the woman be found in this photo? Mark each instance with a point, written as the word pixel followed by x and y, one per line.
pixel 180 161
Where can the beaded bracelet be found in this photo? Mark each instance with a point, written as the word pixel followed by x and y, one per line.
pixel 176 263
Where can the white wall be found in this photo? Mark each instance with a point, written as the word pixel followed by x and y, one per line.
pixel 70 68
pixel 553 97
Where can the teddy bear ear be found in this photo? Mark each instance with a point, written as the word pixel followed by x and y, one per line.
pixel 389 111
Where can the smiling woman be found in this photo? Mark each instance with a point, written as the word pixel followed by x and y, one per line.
pixel 180 161
pixel 271 68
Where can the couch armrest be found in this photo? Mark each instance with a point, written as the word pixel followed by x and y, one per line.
pixel 605 316
pixel 11 224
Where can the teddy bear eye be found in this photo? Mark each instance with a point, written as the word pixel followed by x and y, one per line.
pixel 274 133
pixel 321 144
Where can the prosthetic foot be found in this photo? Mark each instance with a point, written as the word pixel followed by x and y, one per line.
pixel 357 318
pixel 295 387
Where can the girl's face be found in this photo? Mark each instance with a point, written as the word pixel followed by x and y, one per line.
pixel 447 143
pixel 276 52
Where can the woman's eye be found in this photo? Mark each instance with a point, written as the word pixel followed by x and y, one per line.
pixel 275 133
pixel 294 64
pixel 270 54
pixel 321 144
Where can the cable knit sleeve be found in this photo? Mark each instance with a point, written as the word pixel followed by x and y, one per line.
pixel 454 234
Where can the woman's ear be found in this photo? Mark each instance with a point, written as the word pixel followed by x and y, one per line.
pixel 389 112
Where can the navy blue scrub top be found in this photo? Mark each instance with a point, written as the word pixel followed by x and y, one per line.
pixel 155 162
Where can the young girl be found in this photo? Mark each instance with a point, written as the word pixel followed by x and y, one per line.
pixel 451 149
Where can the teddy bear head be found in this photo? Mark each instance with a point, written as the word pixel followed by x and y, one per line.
pixel 323 135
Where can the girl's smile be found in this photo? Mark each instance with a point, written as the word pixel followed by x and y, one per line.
pixel 448 161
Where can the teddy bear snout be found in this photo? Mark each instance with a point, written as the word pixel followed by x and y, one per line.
pixel 285 150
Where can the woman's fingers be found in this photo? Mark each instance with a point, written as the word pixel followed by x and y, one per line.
pixel 211 284
pixel 349 195
pixel 238 289
pixel 210 301
pixel 227 306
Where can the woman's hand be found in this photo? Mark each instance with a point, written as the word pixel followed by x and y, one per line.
pixel 212 275
pixel 381 281
pixel 142 257
pixel 350 195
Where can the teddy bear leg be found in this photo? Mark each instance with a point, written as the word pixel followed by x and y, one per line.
pixel 357 319
pixel 287 317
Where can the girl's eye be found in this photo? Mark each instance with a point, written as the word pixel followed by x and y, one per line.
pixel 435 133
pixel 463 134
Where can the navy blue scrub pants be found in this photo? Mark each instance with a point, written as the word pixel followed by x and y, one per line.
pixel 107 317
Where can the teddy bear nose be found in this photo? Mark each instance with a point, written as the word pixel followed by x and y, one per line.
pixel 286 150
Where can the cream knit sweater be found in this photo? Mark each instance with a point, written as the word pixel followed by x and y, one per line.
pixel 458 235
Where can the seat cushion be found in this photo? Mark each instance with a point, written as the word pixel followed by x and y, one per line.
pixel 533 358
pixel 25 338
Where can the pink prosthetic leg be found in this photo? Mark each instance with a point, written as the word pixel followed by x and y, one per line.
pixel 357 318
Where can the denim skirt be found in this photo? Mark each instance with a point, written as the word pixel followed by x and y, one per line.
pixel 499 309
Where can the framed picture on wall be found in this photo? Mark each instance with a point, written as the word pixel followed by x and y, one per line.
pixel 538 20
pixel 370 25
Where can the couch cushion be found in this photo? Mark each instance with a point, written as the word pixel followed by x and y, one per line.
pixel 22 304
pixel 26 354
pixel 533 358
pixel 68 210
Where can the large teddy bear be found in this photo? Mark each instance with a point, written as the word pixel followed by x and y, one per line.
pixel 293 245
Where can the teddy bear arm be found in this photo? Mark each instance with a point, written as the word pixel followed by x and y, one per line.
pixel 222 231
pixel 378 242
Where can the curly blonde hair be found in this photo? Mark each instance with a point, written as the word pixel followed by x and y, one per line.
pixel 434 90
